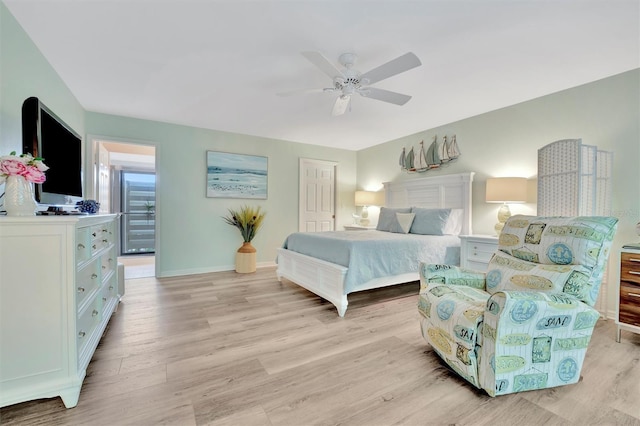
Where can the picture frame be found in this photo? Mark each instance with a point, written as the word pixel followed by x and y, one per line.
pixel 232 175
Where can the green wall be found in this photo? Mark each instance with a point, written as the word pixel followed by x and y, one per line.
pixel 505 142
pixel 192 237
pixel 24 72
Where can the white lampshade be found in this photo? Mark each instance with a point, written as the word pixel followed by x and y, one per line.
pixel 367 198
pixel 506 190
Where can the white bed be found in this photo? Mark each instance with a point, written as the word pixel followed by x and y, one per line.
pixel 327 279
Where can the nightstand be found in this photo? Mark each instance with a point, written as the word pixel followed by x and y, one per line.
pixel 355 227
pixel 476 251
pixel 629 291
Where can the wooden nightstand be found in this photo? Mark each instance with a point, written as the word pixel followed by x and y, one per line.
pixel 476 251
pixel 629 291
pixel 358 228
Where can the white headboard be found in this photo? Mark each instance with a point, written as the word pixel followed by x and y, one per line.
pixel 433 192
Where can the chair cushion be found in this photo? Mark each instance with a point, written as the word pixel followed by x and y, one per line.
pixel 508 273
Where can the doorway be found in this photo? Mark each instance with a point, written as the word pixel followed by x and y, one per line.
pixel 125 183
pixel 317 210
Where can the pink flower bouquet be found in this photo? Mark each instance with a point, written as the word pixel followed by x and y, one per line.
pixel 31 168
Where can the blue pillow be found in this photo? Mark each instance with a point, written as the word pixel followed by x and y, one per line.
pixel 429 221
pixel 387 221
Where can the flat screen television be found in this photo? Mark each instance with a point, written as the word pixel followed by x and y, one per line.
pixel 47 136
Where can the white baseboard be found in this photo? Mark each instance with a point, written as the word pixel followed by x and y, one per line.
pixel 196 271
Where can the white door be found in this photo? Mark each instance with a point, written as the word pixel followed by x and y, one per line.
pixel 317 195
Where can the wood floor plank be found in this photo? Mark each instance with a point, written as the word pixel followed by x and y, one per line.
pixel 244 349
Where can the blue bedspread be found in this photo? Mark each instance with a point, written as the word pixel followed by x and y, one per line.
pixel 375 254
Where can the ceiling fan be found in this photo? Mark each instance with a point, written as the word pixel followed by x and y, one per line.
pixel 349 81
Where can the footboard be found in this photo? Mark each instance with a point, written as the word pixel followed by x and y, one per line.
pixel 318 276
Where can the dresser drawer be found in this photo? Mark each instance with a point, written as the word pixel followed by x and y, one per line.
pixel 83 245
pixel 87 280
pixel 630 267
pixel 108 262
pixel 86 323
pixel 479 251
pixel 629 310
pixel 109 289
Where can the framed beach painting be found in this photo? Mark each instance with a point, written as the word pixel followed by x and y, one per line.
pixel 236 175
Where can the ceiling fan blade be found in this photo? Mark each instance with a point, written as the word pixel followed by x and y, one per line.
pixel 317 59
pixel 300 92
pixel 391 68
pixel 385 95
pixel 341 105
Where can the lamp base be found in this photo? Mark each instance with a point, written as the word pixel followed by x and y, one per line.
pixel 364 216
pixel 504 213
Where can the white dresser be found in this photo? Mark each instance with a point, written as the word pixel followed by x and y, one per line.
pixel 58 289
pixel 476 251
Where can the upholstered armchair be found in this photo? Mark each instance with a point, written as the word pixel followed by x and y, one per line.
pixel 526 322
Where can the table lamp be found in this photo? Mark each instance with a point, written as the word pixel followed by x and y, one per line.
pixel 365 199
pixel 506 190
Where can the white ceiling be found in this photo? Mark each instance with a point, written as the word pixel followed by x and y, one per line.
pixel 219 64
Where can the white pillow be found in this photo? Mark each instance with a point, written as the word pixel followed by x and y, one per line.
pixel 453 226
pixel 405 220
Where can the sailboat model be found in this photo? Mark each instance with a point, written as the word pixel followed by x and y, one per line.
pixel 433 159
pixel 402 161
pixel 443 152
pixel 452 149
pixel 409 162
pixel 421 159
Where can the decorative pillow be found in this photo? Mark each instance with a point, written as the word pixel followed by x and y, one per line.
pixel 387 221
pixel 508 273
pixel 429 221
pixel 404 220
pixel 454 222
pixel 582 240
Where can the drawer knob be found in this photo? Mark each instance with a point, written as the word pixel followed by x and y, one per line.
pixel 82 334
pixel 633 259
pixel 110 287
pixel 104 299
pixel 105 241
pixel 94 276
pixel 80 289
pixel 94 234
pixel 94 246
pixel 80 246
pixel 94 313
pixel 634 273
pixel 634 294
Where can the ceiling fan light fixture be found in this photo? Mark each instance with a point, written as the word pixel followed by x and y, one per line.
pixel 349 81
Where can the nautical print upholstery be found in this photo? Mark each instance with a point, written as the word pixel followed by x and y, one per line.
pixel 526 323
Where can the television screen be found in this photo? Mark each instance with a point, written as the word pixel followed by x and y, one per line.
pixel 46 136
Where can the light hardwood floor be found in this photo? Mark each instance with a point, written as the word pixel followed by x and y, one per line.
pixel 231 349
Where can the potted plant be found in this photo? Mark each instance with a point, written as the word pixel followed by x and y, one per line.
pixel 248 220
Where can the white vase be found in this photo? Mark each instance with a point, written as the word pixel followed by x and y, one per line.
pixel 18 197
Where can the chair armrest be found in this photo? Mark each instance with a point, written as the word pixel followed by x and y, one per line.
pixel 451 275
